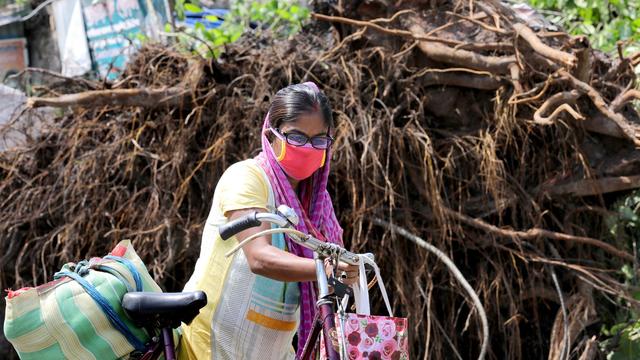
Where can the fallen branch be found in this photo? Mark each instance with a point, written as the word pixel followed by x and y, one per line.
pixel 561 102
pixel 535 233
pixel 114 97
pixel 79 80
pixel 550 53
pixel 590 187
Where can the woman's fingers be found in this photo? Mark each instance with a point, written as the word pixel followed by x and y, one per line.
pixel 348 274
pixel 350 281
pixel 348 268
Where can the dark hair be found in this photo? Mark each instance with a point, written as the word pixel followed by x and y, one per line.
pixel 296 100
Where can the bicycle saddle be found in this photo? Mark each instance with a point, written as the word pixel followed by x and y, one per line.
pixel 163 309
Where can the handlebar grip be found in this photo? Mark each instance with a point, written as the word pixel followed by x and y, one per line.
pixel 243 223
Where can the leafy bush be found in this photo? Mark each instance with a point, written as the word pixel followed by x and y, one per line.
pixel 624 228
pixel 604 21
pixel 282 17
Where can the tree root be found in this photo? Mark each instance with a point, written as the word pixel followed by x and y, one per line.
pixel 454 271
pixel 470 59
pixel 590 187
pixel 561 103
pixel 535 233
pixel 619 120
pixel 591 350
pixel 581 315
pixel 472 81
pixel 488 46
pixel 550 53
pixel 624 98
pixel 382 29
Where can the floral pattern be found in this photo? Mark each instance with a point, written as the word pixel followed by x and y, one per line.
pixel 374 337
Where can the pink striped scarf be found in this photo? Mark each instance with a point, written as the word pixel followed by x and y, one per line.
pixel 320 217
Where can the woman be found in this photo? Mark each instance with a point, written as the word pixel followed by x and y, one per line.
pixel 261 296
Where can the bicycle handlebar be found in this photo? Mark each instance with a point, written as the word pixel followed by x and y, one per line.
pixel 285 218
pixel 248 221
pixel 243 223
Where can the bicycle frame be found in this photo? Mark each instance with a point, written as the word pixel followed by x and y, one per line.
pixel 161 345
pixel 324 319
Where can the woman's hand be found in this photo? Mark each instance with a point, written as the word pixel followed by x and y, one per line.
pixel 347 274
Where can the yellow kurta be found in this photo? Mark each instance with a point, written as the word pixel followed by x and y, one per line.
pixel 247 316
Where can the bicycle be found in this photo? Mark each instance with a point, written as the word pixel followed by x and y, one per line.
pixel 286 218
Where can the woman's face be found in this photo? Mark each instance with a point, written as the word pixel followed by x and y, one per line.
pixel 310 125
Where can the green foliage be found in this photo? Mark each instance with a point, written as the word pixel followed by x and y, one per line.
pixel 192 7
pixel 283 18
pixel 604 22
pixel 624 339
pixel 4 3
pixel 142 38
pixel 625 225
pixel 624 229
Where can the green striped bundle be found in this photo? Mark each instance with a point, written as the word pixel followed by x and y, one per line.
pixel 60 320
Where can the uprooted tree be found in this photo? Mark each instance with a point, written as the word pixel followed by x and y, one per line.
pixel 500 145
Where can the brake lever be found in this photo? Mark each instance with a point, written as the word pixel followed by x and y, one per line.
pixel 339 288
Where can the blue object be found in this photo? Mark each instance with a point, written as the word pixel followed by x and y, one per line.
pixel 111 314
pixel 131 267
pixel 191 18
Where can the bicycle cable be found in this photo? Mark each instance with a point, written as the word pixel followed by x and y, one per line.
pixel 262 233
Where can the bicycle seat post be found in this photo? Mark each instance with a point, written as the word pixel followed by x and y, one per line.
pixel 167 340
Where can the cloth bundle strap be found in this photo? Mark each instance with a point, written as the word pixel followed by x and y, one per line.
pixel 82 268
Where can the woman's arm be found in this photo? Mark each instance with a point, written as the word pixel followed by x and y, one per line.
pixel 267 260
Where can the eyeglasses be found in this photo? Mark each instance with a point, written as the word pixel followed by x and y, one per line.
pixel 321 142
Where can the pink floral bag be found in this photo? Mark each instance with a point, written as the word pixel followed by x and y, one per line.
pixel 371 336
pixel 375 337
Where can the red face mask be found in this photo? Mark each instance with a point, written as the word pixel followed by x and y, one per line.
pixel 299 162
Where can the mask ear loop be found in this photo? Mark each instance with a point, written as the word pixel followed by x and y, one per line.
pixel 283 142
pixel 326 151
pixel 283 150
